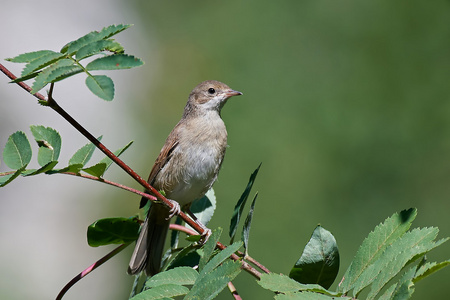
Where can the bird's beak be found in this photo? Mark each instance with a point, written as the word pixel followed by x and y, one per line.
pixel 231 93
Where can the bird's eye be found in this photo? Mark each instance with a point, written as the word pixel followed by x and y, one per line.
pixel 211 91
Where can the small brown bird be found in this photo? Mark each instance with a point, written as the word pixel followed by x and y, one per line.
pixel 185 169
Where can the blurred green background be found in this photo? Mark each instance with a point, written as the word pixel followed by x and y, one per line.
pixel 346 104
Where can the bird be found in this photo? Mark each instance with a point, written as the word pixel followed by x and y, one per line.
pixel 185 169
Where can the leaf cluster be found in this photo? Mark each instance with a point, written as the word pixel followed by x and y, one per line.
pixel 47 66
pixel 214 272
pixel 383 264
pixel 17 154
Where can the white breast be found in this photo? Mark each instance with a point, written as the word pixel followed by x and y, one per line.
pixel 198 156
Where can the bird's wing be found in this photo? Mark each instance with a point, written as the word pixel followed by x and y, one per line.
pixel 163 158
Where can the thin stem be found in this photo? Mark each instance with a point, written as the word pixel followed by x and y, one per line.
pixel 257 263
pixel 90 269
pixel 233 291
pixel 121 186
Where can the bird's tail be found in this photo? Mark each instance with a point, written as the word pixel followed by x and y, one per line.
pixel 149 247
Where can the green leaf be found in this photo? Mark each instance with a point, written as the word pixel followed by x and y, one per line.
pixel 41 62
pixel 248 224
pixel 108 161
pixel 49 142
pixel 23 78
pixel 308 296
pixel 209 286
pixel 93 36
pixel 240 205
pixel 17 151
pixel 428 269
pixel 189 256
pixel 111 30
pixel 44 169
pixel 5 179
pixel 388 293
pixel 96 170
pixel 113 231
pixel 405 249
pixel 284 284
pixel 179 276
pixel 319 262
pixel 84 154
pixel 101 85
pixel 63 72
pixel 279 283
pixel 97 47
pixel 41 79
pixel 220 257
pixel 209 247
pixel 75 168
pixel 114 62
pixel 162 292
pixel 175 234
pixel 375 244
pixel 204 207
pixel 403 289
pixel 29 56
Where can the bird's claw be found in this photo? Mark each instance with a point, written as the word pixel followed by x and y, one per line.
pixel 205 236
pixel 175 210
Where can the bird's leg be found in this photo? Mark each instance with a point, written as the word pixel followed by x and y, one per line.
pixel 206 231
pixel 175 210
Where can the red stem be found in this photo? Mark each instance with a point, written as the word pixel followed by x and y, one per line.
pixel 90 269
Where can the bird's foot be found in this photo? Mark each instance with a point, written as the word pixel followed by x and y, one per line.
pixel 206 231
pixel 175 210
pixel 205 235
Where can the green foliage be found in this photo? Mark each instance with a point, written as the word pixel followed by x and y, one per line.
pixel 17 151
pixel 48 66
pixel 241 204
pixel 375 244
pixel 17 155
pixel 113 231
pixel 248 224
pixel 49 142
pixel 215 271
pixel 101 86
pixel 108 161
pixel 180 276
pixel 204 207
pixel 209 247
pixel 84 154
pixel 8 177
pixel 283 284
pixel 319 263
pixel 381 258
